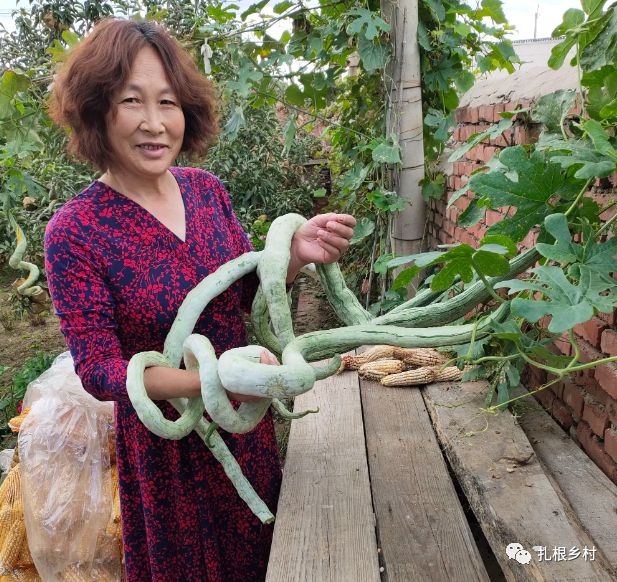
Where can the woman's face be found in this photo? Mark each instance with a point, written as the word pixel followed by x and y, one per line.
pixel 145 125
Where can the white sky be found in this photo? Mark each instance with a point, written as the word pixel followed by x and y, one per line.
pixel 520 13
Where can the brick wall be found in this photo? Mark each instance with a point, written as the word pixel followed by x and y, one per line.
pixel 585 405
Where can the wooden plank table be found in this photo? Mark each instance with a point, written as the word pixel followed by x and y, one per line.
pixel 368 495
pixel 325 527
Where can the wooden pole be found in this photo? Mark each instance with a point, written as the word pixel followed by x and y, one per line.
pixel 405 120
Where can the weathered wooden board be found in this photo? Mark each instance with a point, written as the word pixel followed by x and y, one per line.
pixel 325 526
pixel 591 495
pixel 506 487
pixel 422 528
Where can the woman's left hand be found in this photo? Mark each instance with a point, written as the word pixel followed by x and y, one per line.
pixel 322 239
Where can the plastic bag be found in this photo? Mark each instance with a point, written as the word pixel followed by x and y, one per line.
pixel 64 449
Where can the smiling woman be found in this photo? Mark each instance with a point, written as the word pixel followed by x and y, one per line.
pixel 121 257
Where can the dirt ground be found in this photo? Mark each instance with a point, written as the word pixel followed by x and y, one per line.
pixel 23 336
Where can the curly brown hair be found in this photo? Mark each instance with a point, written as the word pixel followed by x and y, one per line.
pixel 100 65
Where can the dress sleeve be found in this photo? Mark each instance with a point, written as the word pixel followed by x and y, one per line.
pixel 241 244
pixel 85 307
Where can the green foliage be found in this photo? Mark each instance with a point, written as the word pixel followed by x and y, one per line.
pixel 457 42
pixel 13 394
pixel 543 186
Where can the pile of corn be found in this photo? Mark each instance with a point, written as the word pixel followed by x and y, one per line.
pixel 393 366
pixel 16 563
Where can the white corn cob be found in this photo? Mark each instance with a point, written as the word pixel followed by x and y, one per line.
pixel 424 375
pixel 420 356
pixel 370 355
pixel 380 368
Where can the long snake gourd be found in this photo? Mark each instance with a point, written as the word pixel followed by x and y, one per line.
pixel 239 369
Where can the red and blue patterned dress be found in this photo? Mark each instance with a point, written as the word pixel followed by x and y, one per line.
pixel 117 277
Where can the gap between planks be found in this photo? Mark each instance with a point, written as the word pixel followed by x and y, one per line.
pixel 423 530
pixel 505 485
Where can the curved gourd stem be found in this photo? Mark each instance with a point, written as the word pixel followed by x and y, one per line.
pixel 287 414
pixel 222 454
pixel 28 287
pixel 275 261
pixel 344 302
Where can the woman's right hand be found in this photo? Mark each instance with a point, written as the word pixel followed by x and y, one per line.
pixel 265 358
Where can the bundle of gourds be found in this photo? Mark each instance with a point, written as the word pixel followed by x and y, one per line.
pixel 394 366
pixel 16 562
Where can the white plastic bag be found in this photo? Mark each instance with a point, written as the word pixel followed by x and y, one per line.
pixel 66 478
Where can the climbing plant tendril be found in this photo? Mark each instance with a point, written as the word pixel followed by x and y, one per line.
pixel 239 370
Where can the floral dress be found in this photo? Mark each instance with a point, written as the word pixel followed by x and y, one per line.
pixel 117 277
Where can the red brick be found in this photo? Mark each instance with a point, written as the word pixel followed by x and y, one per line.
pixel 443 237
pixel 596 416
pixel 486 113
pixel 596 452
pixel 456 135
pixel 591 330
pixel 474 115
pixel 449 227
pixel 594 389
pixel 452 214
pixel 557 389
pixel 478 230
pixel 492 217
pixel 608 342
pixel 520 135
pixel 497 109
pixel 462 203
pixel 612 411
pixel 606 375
pixel 488 153
pixel 573 397
pixel 546 398
pixel 610 442
pixel 458 115
pixel 530 240
pixel 562 414
pixel 588 353
pixel 562 344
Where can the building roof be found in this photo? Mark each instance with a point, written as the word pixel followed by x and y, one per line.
pixel 531 80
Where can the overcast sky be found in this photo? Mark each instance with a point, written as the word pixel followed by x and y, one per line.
pixel 520 13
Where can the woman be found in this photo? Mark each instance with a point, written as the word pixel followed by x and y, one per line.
pixel 120 258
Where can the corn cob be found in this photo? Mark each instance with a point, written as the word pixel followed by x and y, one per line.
pixel 15 422
pixel 24 559
pixel 380 368
pixel 27 575
pixel 95 573
pixel 424 375
pixel 370 355
pixel 11 546
pixel 420 356
pixel 10 490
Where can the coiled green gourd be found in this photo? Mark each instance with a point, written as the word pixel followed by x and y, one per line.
pixel 239 369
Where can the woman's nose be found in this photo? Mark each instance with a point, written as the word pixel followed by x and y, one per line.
pixel 152 121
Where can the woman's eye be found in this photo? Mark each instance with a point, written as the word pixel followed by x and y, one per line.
pixel 168 102
pixel 130 100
